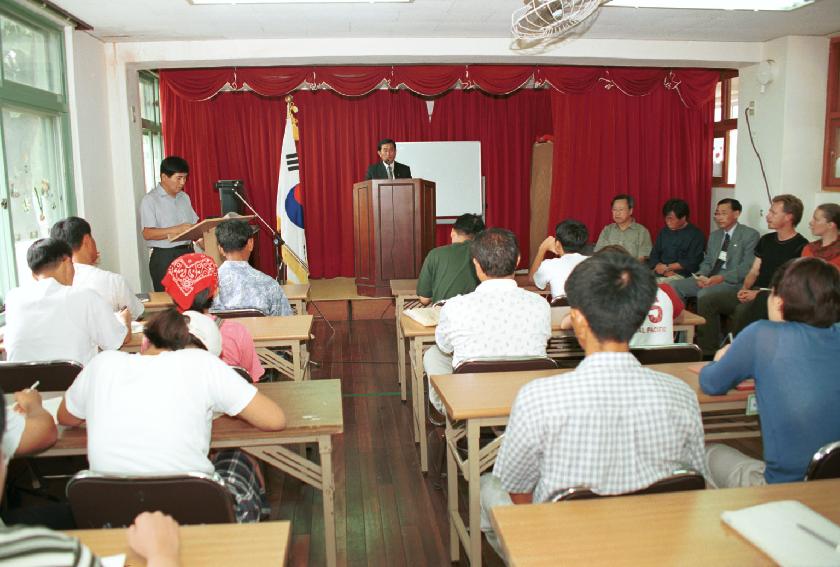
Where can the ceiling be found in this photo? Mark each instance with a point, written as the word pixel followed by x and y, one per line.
pixel 162 20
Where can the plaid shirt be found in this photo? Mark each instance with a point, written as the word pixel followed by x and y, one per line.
pixel 244 287
pixel 610 425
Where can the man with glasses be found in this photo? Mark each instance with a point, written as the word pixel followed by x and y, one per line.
pixel 625 231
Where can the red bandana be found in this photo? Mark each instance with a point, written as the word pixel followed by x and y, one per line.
pixel 188 275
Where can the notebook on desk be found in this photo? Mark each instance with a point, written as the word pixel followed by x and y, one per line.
pixel 789 532
pixel 426 316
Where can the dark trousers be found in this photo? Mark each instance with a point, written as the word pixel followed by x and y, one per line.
pixel 160 260
pixel 724 301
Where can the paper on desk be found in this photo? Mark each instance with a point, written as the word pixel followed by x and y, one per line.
pixel 137 326
pixel 772 527
pixel 426 316
pixel 113 560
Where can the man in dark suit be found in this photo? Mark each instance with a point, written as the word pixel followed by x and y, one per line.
pixel 388 168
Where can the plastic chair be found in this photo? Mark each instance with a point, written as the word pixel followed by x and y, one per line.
pixel 680 480
pixel 668 353
pixel 825 463
pixel 54 375
pixel 234 313
pixel 110 501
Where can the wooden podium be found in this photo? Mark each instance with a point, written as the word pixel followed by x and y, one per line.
pixel 393 230
pixel 206 229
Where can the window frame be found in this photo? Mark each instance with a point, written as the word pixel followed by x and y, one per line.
pixel 726 124
pixel 152 127
pixel 832 117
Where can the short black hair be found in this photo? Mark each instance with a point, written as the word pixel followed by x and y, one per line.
pixel 233 235
pixel 171 165
pixel 572 235
pixel 71 230
pixel 385 141
pixel 468 224
pixel 734 204
pixel 47 253
pixel 168 329
pixel 622 197
pixel 614 292
pixel 496 250
pixel 810 290
pixel 202 301
pixel 676 206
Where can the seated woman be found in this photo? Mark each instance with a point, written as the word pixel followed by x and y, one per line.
pixel 824 224
pixel 793 358
pixel 152 413
pixel 192 281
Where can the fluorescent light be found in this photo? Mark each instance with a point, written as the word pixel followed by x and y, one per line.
pixel 199 2
pixel 714 4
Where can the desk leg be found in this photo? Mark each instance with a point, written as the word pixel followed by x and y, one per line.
pixel 419 399
pixel 328 496
pixel 400 349
pixel 475 499
pixel 452 496
pixel 299 371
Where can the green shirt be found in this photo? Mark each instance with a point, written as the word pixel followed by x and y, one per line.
pixel 635 239
pixel 447 271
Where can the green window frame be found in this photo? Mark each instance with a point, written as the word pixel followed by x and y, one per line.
pixel 151 124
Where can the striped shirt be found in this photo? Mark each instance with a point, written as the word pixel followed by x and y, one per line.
pixel 610 425
pixel 39 547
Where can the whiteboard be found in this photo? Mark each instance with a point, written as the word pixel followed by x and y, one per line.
pixel 455 167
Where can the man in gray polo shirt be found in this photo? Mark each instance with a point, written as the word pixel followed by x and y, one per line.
pixel 164 212
pixel 625 231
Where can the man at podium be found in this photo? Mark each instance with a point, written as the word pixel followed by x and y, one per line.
pixel 166 211
pixel 388 168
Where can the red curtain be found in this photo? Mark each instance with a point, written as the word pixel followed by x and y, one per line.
pixel 507 128
pixel 651 147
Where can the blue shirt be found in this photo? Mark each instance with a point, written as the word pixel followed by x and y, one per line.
pixel 159 209
pixel 244 287
pixel 797 385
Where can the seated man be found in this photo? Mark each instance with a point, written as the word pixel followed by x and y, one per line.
pixel 625 231
pixel 610 425
pixel 678 249
pixel 153 535
pixel 448 270
pixel 729 254
pixel 497 319
pixel 240 285
pixel 749 303
pixel 49 320
pixel 111 287
pixel 569 238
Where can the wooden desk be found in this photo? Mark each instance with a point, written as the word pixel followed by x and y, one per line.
pixel 287 333
pixel 212 545
pixel 405 297
pixel 297 294
pixel 473 401
pixel 313 415
pixel 681 528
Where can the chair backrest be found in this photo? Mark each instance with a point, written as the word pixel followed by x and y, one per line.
pixel 54 375
pixel 234 313
pixel 102 501
pixel 244 373
pixel 560 302
pixel 679 481
pixel 505 364
pixel 668 353
pixel 825 463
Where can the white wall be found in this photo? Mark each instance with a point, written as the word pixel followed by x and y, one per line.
pixel 790 136
pixel 90 132
pixel 788 128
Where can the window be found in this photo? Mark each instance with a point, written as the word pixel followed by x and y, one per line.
pixel 150 117
pixel 35 170
pixel 724 156
pixel 831 158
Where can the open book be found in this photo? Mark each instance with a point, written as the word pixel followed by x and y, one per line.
pixel 426 316
pixel 789 532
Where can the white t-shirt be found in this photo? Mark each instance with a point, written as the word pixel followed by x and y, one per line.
pixel 110 286
pixel 49 321
pixel 15 424
pixel 556 271
pixel 152 414
pixel 658 327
